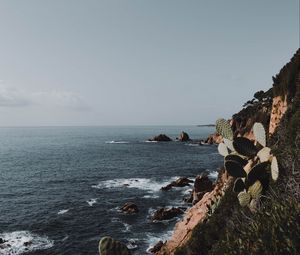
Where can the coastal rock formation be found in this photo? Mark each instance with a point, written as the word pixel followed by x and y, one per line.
pixel 202 185
pixel 181 182
pixel 193 216
pixel 214 138
pixel 156 247
pixel 160 138
pixel 129 208
pixel 184 137
pixel 166 213
pixel 279 107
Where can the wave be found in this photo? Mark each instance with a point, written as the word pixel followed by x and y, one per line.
pixel 117 142
pixel 213 175
pixel 92 201
pixel 63 211
pixel 154 239
pixel 151 141
pixel 146 184
pixel 19 242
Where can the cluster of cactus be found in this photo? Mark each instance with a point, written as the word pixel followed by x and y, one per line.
pixel 109 246
pixel 250 162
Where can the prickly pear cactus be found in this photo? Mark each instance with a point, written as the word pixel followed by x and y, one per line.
pixel 274 169
pixel 234 169
pixel 244 198
pixel 264 154
pixel 236 158
pixel 224 129
pixel 244 146
pixel 222 148
pixel 259 133
pixel 255 189
pixel 109 246
pixel 239 185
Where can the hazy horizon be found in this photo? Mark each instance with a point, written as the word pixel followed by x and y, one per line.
pixel 138 63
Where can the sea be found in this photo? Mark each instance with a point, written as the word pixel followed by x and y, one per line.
pixel 61 187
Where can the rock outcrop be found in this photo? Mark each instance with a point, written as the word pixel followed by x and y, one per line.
pixel 184 137
pixel 181 182
pixel 202 185
pixel 193 216
pixel 166 213
pixel 160 138
pixel 156 248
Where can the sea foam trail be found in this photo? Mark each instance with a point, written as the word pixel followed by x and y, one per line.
pixel 63 211
pixel 116 142
pixel 213 175
pixel 149 185
pixel 19 242
pixel 92 201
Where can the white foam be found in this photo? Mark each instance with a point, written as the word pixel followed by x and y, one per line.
pixel 149 185
pixel 14 244
pixel 151 141
pixel 63 211
pixel 132 244
pixel 127 227
pixel 92 201
pixel 117 142
pixel 213 175
pixel 151 196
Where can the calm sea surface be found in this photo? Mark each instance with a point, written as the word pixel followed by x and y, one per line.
pixel 60 187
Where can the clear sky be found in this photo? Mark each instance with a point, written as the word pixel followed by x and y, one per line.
pixel 138 62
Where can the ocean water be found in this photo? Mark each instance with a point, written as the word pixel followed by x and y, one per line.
pixel 60 187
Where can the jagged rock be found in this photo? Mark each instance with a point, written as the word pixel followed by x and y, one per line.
pixel 161 138
pixel 156 248
pixel 129 207
pixel 202 185
pixel 27 243
pixel 2 241
pixel 213 138
pixel 181 182
pixel 189 198
pixel 184 137
pixel 166 213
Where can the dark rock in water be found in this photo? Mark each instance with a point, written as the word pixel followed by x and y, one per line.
pixel 189 198
pixel 166 213
pixel 156 248
pixel 2 241
pixel 184 137
pixel 161 138
pixel 129 207
pixel 181 182
pixel 27 243
pixel 202 185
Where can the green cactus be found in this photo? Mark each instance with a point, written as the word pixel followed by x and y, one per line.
pixel 244 146
pixel 237 159
pixel 229 144
pixel 264 154
pixel 109 246
pixel 255 189
pixel 244 198
pixel 234 169
pixel 224 129
pixel 239 185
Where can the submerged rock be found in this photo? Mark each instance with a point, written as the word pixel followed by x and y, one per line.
pixel 166 213
pixel 181 182
pixel 161 138
pixel 130 208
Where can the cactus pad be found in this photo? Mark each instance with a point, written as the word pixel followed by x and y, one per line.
pixel 229 144
pixel 239 185
pixel 274 169
pixel 244 146
pixel 222 148
pixel 255 189
pixel 259 133
pixel 234 169
pixel 259 172
pixel 244 198
pixel 264 154
pixel 236 158
pixel 109 246
pixel 224 129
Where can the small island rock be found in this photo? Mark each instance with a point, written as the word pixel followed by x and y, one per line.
pixel 166 213
pixel 130 208
pixel 161 138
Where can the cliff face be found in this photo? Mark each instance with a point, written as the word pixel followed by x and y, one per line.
pixel 278 109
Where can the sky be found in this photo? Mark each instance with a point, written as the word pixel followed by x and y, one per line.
pixel 138 62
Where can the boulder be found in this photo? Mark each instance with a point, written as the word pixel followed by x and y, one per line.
pixel 161 138
pixel 184 137
pixel 129 208
pixel 181 182
pixel 2 241
pixel 202 185
pixel 166 213
pixel 156 248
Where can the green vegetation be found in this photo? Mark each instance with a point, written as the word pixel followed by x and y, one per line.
pixel 109 246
